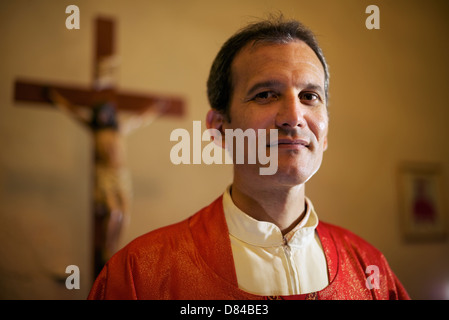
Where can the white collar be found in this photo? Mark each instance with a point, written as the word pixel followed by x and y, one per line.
pixel 267 234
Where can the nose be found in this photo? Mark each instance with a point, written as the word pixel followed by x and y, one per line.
pixel 291 113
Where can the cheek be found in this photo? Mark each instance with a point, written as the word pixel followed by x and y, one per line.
pixel 245 117
pixel 319 126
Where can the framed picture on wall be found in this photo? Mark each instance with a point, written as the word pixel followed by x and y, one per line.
pixel 421 197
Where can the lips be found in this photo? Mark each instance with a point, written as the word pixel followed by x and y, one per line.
pixel 286 142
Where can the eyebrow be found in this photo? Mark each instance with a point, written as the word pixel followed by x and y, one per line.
pixel 314 87
pixel 278 84
pixel 264 84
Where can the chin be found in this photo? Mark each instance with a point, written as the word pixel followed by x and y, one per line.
pixel 293 175
pixel 289 178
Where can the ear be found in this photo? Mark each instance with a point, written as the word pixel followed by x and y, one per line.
pixel 325 143
pixel 214 121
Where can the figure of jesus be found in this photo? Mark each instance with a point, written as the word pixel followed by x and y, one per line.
pixel 112 190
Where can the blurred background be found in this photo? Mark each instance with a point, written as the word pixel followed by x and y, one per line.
pixel 388 105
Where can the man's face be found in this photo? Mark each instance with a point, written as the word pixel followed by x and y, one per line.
pixel 281 86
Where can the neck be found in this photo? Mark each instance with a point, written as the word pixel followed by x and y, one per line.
pixel 283 206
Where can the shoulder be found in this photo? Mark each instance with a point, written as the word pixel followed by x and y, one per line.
pixel 356 258
pixel 167 238
pixel 129 272
pixel 348 241
pixel 172 239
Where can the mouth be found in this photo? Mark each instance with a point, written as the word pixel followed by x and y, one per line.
pixel 290 143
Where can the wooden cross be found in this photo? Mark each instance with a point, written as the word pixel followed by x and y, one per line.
pixel 111 198
pixel 33 91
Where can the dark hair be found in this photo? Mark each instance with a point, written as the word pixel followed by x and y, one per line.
pixel 273 30
pixel 104 116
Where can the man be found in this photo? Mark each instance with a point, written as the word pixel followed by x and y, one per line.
pixel 262 238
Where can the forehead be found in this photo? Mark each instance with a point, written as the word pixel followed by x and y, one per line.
pixel 293 61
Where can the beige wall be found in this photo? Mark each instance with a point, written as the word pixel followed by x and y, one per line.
pixel 388 104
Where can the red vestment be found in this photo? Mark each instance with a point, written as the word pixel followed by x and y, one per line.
pixel 193 260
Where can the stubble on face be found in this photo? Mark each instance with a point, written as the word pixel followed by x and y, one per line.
pixel 269 81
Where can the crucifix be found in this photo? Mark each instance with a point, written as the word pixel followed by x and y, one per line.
pixel 98 108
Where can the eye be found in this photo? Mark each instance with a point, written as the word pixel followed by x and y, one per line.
pixel 265 97
pixel 310 98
